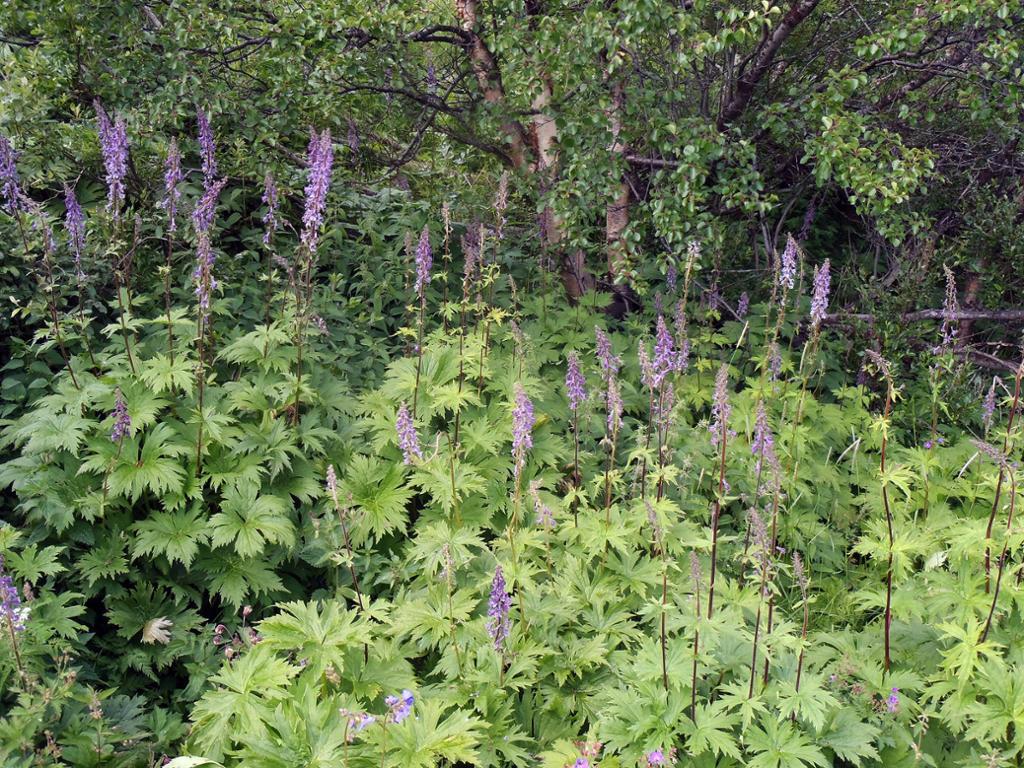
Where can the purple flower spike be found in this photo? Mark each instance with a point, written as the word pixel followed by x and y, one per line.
pixel 609 362
pixel 10 184
pixel 819 301
pixel 787 269
pixel 320 158
pixel 172 179
pixel 114 146
pixel 613 400
pixel 656 757
pixel 720 408
pixel 424 262
pixel 12 612
pixel 74 221
pixel 743 306
pixel 498 623
pixel 122 421
pixel 522 429
pixel 763 444
pixel 408 440
pixel 575 384
pixel 271 222
pixel 206 146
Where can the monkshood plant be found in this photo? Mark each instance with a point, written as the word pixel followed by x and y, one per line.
pixel 534 538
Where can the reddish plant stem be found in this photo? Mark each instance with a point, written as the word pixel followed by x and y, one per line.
pixel 716 512
pixel 999 482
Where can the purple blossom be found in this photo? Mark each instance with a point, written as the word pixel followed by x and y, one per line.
pixel 431 78
pixel 202 221
pixel 400 706
pixel 581 762
pixel 356 722
pixel 424 262
pixel 774 360
pixel 10 184
pixel 695 575
pixel 787 268
pixel 122 421
pixel 498 623
pixel 320 158
pixel 892 703
pixel 613 399
pixel 743 306
pixel 656 757
pixel 522 428
pixel 819 300
pixel 988 405
pixel 575 384
pixel 74 222
pixel 12 612
pixel 763 444
pixel 609 363
pixel 271 221
pixel 672 277
pixel 720 408
pixel 666 359
pixel 172 178
pixel 408 440
pixel 544 516
pixel 663 406
pixel 206 146
pixel 114 146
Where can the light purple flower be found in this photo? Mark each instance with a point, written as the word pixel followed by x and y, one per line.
pixel 431 79
pixel 743 306
pixel 774 360
pixel 892 703
pixel 320 158
pixel 544 516
pixel 672 277
pixel 613 400
pixel 666 359
pixel 356 723
pixel 763 444
pixel 332 483
pixel 655 757
pixel 12 612
pixel 408 440
pixel 819 300
pixel 74 222
pixel 400 706
pixel 498 623
pixel 202 221
pixel 581 762
pixel 424 262
pixel 206 208
pixel 122 421
pixel 720 408
pixel 172 179
pixel 10 183
pixel 575 384
pixel 114 147
pixel 522 428
pixel 207 148
pixel 271 221
pixel 787 268
pixel 609 363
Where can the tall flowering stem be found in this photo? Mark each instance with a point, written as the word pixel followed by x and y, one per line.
pixel 271 221
pixel 207 149
pixel 576 392
pixel 172 194
pixel 320 158
pixel 74 223
pixel 408 440
pixel 719 437
pixel 890 394
pixel 999 482
pixel 332 491
pixel 205 283
pixel 762 558
pixel 800 574
pixel 424 264
pixel 696 578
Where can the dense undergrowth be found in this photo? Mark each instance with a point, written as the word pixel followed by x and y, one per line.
pixel 340 500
